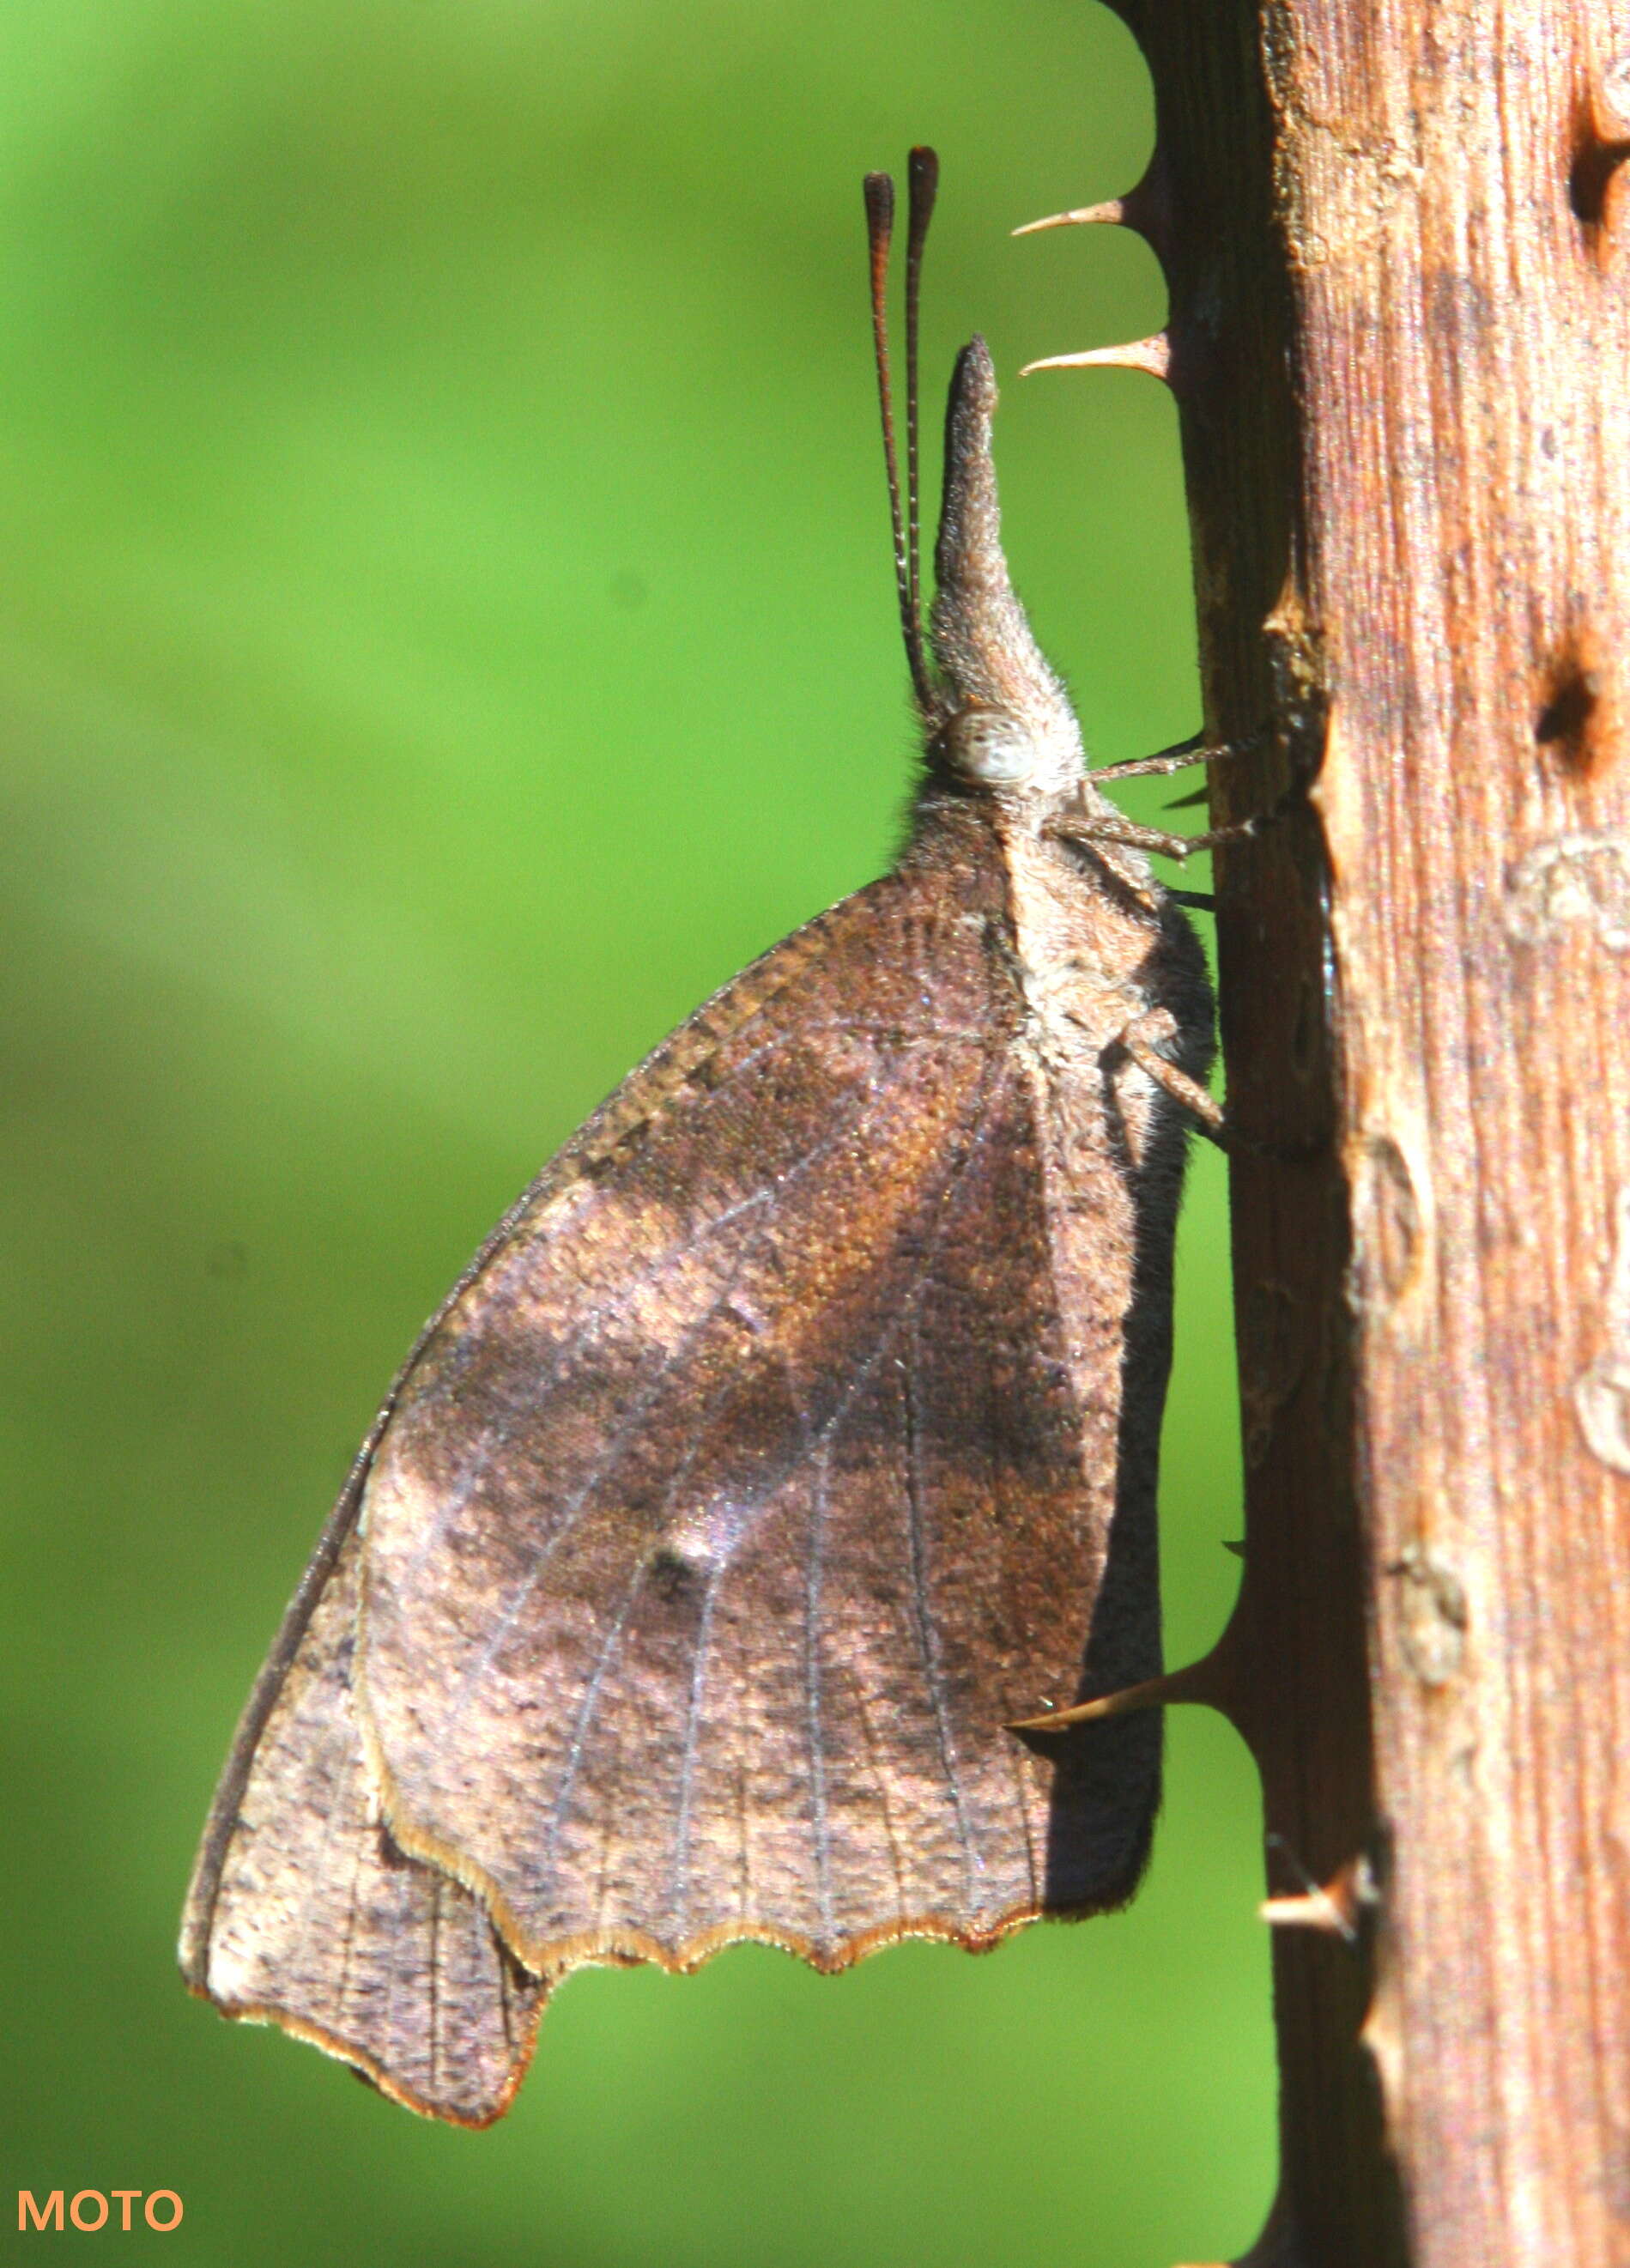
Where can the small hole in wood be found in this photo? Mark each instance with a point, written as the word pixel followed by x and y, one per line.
pixel 1564 723
pixel 1594 166
pixel 1601 143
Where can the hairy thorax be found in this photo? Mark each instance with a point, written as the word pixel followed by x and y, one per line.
pixel 1098 957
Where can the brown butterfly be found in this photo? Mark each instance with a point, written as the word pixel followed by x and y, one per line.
pixel 796 1430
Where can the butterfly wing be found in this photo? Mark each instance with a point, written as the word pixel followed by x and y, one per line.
pixel 304 1913
pixel 762 1472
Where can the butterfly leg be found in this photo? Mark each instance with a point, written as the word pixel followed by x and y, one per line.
pixel 1138 1039
pixel 1101 827
pixel 1179 757
pixel 1084 827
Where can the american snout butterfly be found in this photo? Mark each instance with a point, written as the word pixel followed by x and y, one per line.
pixel 794 1430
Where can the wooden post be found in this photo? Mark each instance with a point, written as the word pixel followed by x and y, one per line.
pixel 1397 238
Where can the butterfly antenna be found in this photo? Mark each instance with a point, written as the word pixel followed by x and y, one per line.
pixel 879 192
pixel 923 173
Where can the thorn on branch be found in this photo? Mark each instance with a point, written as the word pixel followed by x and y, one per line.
pixel 1145 210
pixel 1152 354
pixel 1336 1907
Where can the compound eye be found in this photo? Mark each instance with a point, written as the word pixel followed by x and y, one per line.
pixel 988 746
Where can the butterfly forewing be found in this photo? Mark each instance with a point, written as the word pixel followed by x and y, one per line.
pixel 759 1475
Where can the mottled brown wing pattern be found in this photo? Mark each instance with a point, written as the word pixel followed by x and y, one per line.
pixel 308 1916
pixel 762 1452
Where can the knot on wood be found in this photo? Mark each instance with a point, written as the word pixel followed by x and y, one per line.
pixel 1435 1614
pixel 1581 878
pixel 1386 1225
pixel 1601 1393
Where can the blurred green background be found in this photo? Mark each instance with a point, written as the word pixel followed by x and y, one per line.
pixel 445 628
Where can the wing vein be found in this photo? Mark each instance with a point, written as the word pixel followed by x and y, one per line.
pixel 344 1985
pixel 592 1693
pixel 687 1759
pixel 927 1645
pixel 320 1870
pixel 577 1505
pixel 573 1509
pixel 1018 1761
pixel 573 1760
pixel 879 1780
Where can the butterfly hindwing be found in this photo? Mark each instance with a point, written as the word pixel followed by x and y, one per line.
pixel 750 1485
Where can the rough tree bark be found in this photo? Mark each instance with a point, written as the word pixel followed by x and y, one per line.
pixel 1396 234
